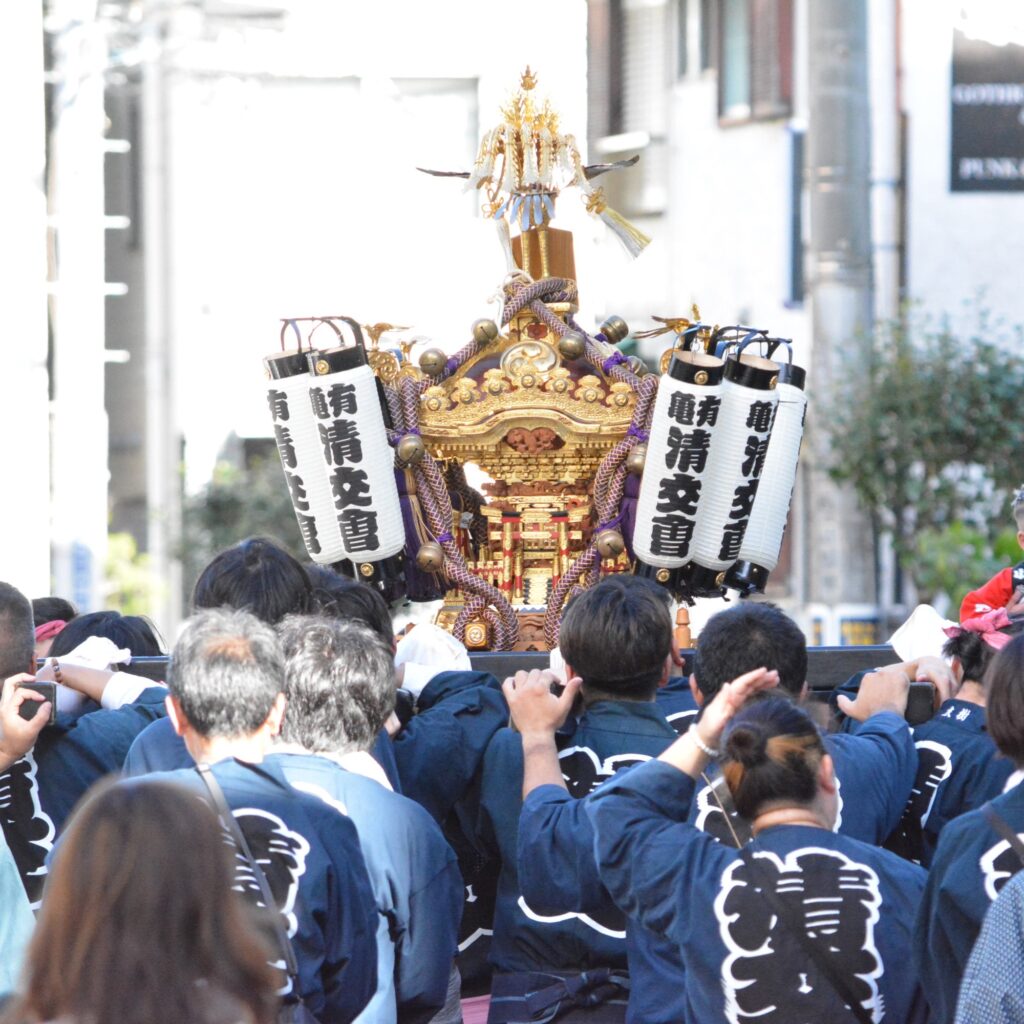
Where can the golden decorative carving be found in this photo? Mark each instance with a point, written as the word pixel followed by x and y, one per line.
pixel 384 365
pixel 477 635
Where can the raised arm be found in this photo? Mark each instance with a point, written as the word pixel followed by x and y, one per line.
pixel 647 855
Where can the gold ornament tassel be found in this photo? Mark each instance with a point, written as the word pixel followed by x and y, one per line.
pixel 628 234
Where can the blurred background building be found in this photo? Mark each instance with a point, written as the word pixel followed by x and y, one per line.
pixel 194 171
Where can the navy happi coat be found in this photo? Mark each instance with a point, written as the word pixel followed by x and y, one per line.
pixel 743 965
pixel 311 857
pixel 958 770
pixel 38 791
pixel 972 863
pixel 875 764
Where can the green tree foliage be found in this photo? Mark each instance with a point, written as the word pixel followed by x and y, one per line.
pixel 131 585
pixel 235 504
pixel 928 428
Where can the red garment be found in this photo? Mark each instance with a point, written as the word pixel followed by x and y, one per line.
pixel 994 594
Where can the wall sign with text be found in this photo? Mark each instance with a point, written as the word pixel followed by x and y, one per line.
pixel 987 115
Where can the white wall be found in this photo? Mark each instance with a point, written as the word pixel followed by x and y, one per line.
pixel 25 452
pixel 729 216
pixel 296 193
pixel 959 244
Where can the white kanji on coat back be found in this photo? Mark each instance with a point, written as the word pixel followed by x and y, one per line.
pixel 766 976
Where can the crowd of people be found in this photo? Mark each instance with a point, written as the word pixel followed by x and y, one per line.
pixel 300 823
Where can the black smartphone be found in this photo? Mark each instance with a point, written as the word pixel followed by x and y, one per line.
pixel 920 703
pixel 30 708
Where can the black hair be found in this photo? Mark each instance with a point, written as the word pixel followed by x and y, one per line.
pixel 341 597
pixel 748 636
pixel 257 576
pixel 1004 700
pixel 135 632
pixel 17 632
pixel 616 636
pixel 52 609
pixel 226 671
pixel 973 652
pixel 339 681
pixel 772 751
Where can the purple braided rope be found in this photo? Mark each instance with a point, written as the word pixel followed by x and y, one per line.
pixel 594 355
pixel 615 359
pixel 437 508
pixel 544 314
pixel 395 408
pixel 554 289
pixel 609 486
pixel 429 483
pixel 462 356
pixel 478 608
pixel 568 583
pixel 559 289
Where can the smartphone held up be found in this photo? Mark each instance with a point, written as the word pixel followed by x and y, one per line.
pixel 30 708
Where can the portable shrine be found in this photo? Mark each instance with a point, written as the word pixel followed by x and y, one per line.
pixel 597 465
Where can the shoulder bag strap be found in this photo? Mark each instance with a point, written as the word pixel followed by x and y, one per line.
pixel 824 962
pixel 1002 826
pixel 726 809
pixel 224 811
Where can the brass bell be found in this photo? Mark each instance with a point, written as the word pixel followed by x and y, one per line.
pixel 430 556
pixel 637 365
pixel 432 361
pixel 614 329
pixel 572 345
pixel 636 458
pixel 410 450
pixel 484 331
pixel 609 544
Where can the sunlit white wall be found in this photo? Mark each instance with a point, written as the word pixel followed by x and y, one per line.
pixel 960 245
pixel 24 454
pixel 292 184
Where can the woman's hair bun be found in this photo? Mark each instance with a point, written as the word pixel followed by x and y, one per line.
pixel 747 745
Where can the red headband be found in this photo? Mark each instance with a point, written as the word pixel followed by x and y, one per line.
pixel 988 625
pixel 48 630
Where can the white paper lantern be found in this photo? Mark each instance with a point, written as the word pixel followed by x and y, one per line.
pixel 298 444
pixel 671 493
pixel 358 460
pixel 759 553
pixel 735 464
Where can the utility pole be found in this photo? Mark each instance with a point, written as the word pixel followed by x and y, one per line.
pixel 840 562
pixel 163 437
pixel 25 453
pixel 80 464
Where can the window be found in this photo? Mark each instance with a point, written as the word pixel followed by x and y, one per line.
pixel 755 49
pixel 734 71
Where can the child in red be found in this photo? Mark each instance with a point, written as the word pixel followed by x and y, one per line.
pixel 1003 587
